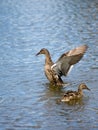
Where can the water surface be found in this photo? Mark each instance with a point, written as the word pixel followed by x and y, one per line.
pixel 26 100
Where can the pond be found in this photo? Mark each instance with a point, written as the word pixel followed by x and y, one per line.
pixel 27 101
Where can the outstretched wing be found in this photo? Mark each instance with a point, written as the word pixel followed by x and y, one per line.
pixel 62 66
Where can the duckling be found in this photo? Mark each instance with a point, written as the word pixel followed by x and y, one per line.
pixel 74 95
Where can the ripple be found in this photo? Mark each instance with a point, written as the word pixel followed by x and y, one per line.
pixel 27 101
pixel 1 100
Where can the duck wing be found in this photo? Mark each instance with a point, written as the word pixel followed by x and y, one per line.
pixel 64 63
pixel 70 92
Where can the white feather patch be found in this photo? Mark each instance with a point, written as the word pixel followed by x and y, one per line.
pixel 70 69
pixel 53 66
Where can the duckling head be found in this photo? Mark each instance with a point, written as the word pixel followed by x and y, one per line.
pixel 83 86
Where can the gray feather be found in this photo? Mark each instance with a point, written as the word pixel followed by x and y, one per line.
pixel 68 59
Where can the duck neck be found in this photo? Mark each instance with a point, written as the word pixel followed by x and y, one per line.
pixel 80 91
pixel 48 59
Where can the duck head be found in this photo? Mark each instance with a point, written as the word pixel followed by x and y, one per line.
pixel 42 51
pixel 83 86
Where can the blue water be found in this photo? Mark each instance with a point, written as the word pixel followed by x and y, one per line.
pixel 27 101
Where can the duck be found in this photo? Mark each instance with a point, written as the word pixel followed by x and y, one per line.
pixel 74 95
pixel 54 71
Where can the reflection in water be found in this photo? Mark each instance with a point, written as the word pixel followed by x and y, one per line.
pixel 26 27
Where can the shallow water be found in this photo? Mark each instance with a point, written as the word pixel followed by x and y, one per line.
pixel 27 101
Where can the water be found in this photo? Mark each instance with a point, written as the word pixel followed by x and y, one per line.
pixel 26 100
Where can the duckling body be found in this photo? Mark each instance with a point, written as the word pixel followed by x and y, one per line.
pixel 74 95
pixel 54 71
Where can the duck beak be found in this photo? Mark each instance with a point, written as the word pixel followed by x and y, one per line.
pixel 37 53
pixel 88 89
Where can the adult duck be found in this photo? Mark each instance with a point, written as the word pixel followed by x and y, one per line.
pixel 74 95
pixel 54 71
